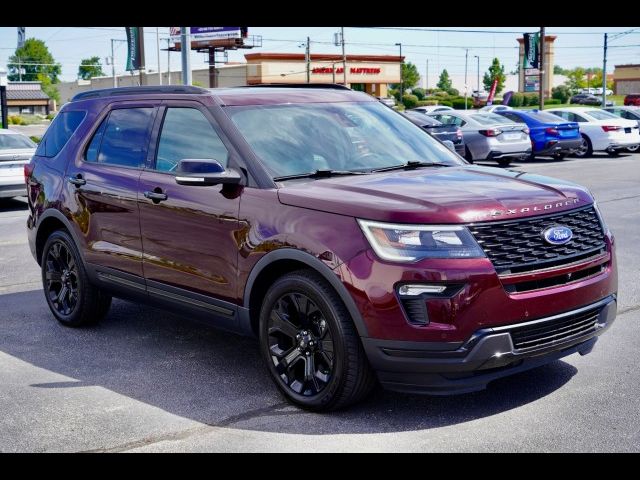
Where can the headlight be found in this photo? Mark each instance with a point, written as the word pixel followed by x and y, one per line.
pixel 409 243
pixel 599 214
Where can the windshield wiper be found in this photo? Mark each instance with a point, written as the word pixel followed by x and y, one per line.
pixel 319 174
pixel 410 165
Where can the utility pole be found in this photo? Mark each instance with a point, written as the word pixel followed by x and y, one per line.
pixel 168 61
pixel 185 47
pixel 113 64
pixel 158 49
pixel 466 58
pixel 604 74
pixel 307 59
pixel 401 79
pixel 344 57
pixel 478 76
pixel 542 68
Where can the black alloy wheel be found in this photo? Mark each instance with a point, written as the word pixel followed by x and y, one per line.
pixel 310 344
pixel 72 299
pixel 301 344
pixel 61 278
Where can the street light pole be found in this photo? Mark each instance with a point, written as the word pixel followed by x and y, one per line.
pixel 158 49
pixel 604 74
pixel 401 79
pixel 427 77
pixel 113 64
pixel 185 47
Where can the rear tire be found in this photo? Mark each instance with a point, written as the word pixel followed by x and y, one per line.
pixel 559 156
pixel 613 153
pixel 467 155
pixel 504 162
pixel 310 344
pixel 633 149
pixel 73 300
pixel 586 149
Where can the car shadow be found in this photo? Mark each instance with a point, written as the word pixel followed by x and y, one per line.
pixel 550 160
pixel 218 379
pixel 13 204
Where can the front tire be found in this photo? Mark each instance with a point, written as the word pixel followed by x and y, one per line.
pixel 310 344
pixel 72 299
pixel 467 155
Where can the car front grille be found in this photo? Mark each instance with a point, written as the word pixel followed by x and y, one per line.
pixel 518 246
pixel 544 334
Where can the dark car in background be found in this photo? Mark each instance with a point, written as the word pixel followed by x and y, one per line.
pixel 438 130
pixel 549 135
pixel 355 247
pixel 588 99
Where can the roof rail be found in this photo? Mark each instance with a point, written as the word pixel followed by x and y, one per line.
pixel 108 92
pixel 334 86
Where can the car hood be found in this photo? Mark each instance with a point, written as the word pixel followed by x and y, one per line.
pixel 437 195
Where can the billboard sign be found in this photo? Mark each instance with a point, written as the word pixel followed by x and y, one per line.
pixel 207 33
pixel 532 83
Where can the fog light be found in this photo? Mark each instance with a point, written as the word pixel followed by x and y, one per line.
pixel 416 290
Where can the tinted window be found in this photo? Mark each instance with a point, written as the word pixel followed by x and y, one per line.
pixel 601 114
pixel 544 117
pixel 186 133
pixel 490 119
pixel 513 117
pixel 59 133
pixel 122 139
pixel 17 140
pixel 574 117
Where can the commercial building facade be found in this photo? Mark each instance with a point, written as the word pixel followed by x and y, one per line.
pixel 27 98
pixel 368 73
pixel 626 79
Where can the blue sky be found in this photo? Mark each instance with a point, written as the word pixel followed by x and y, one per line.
pixel 574 46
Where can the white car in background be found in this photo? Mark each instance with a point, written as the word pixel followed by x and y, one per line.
pixel 601 131
pixel 16 150
pixel 495 108
pixel 432 108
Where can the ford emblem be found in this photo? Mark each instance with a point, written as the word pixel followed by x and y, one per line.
pixel 557 235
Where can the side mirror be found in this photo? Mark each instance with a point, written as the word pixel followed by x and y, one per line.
pixel 205 172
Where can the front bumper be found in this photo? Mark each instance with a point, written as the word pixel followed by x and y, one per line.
pixel 450 368
pixel 559 146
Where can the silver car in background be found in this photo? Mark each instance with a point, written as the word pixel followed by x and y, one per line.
pixel 16 150
pixel 488 136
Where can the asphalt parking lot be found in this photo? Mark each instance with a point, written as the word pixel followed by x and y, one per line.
pixel 145 380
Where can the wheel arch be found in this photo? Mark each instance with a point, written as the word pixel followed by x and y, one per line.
pixel 279 262
pixel 49 222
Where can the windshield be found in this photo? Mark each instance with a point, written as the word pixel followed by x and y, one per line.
pixel 600 114
pixel 294 139
pixel 9 141
pixel 490 118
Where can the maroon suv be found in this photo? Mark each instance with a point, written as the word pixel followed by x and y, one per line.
pixel 352 244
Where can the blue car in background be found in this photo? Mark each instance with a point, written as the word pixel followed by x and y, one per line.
pixel 550 136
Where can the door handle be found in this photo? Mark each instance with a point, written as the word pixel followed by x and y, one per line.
pixel 156 196
pixel 77 181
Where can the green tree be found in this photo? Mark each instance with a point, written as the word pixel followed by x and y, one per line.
pixel 558 70
pixel 444 82
pixel 48 87
pixel 562 93
pixel 495 71
pixel 89 68
pixel 575 79
pixel 34 58
pixel 410 76
pixel 419 92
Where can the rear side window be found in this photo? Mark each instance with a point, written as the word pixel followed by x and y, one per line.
pixel 122 139
pixel 513 117
pixel 59 132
